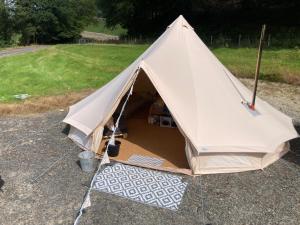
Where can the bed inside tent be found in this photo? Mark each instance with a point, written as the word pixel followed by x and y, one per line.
pixel 147 130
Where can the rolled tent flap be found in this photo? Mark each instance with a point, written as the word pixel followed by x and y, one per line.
pixel 205 99
pixel 92 111
pixel 80 138
pixel 97 137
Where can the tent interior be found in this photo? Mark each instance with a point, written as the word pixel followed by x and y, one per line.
pixel 147 128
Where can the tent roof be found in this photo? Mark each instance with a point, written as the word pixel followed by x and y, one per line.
pixel 203 96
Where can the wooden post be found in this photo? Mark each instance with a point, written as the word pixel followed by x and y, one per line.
pixel 240 37
pixel 260 47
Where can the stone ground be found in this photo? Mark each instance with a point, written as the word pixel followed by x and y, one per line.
pixel 29 144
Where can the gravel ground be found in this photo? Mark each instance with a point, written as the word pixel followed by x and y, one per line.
pixel 30 144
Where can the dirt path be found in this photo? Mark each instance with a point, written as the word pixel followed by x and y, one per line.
pixel 42 104
pixel 99 36
pixel 21 50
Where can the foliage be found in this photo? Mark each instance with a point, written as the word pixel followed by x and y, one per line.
pixel 224 18
pixel 99 27
pixel 52 21
pixel 44 21
pixel 6 23
pixel 64 68
pixel 58 21
pixel 142 17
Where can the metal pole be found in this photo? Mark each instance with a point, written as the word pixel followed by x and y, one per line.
pixel 262 35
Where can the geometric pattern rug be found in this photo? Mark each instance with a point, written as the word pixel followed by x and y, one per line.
pixel 141 185
pixel 145 160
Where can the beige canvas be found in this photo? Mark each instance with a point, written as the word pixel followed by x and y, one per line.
pixel 207 102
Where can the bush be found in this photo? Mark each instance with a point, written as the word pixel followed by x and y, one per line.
pixel 56 21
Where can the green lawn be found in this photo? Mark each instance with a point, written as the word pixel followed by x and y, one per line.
pixel 64 68
pixel 99 27
pixel 277 64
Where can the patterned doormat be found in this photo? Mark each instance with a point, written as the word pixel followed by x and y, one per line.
pixel 141 185
pixel 145 160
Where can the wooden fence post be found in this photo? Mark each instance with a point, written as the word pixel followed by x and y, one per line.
pixel 260 47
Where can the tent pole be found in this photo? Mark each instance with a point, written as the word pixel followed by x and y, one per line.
pixel 262 35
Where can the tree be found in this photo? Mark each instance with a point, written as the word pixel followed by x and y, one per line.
pixel 150 17
pixel 143 17
pixel 6 25
pixel 52 21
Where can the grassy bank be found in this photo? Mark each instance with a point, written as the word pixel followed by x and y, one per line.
pixel 99 27
pixel 67 68
pixel 63 68
pixel 281 65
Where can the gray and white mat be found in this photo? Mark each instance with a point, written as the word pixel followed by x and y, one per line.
pixel 141 185
pixel 145 160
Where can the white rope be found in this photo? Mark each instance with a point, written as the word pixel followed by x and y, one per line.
pixel 112 139
pixel 50 167
pixel 202 201
pixel 105 159
pixel 235 87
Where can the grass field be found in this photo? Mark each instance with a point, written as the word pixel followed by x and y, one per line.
pixel 65 68
pixel 281 65
pixel 99 27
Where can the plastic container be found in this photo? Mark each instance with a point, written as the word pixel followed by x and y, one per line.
pixel 87 161
pixel 113 150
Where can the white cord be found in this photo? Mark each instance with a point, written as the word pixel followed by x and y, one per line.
pixel 105 156
pixel 202 201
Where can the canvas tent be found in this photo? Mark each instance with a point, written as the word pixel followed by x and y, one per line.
pixel 220 132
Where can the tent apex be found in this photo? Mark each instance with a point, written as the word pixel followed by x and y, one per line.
pixel 181 22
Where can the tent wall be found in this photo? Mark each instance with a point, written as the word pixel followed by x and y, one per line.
pixel 207 163
pixel 272 157
pixel 80 138
pixel 97 137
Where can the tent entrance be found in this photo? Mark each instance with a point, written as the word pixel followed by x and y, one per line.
pixel 145 139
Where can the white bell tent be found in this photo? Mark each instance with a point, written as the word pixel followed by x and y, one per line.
pixel 218 131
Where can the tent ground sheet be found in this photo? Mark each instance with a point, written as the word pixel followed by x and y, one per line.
pixel 151 141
